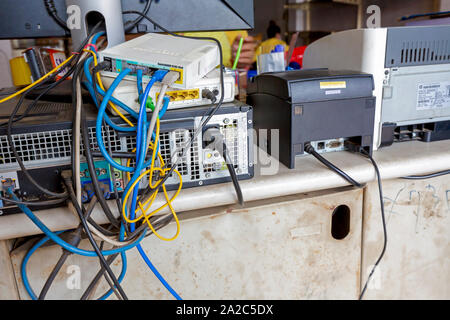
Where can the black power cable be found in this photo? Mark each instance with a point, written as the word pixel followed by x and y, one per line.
pixel 383 219
pixel 68 183
pixel 427 176
pixel 51 9
pixel 92 171
pixel 310 149
pixel 129 25
pixel 134 23
pixel 74 241
pixel 163 223
pixel 111 285
pixel 358 149
pixel 214 139
pixel 233 175
pixel 16 154
pixel 89 290
pixel 352 147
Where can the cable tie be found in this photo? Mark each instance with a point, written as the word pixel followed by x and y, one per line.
pixel 91 45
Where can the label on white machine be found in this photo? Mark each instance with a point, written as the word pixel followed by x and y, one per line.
pixel 433 96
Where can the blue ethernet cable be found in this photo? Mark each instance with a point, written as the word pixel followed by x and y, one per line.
pixel 97 36
pixel 55 238
pixel 157 274
pixel 87 65
pixel 99 123
pixel 141 139
pixel 140 155
pixel 157 76
pixel 26 282
pixel 23 267
pixel 108 119
pixel 139 84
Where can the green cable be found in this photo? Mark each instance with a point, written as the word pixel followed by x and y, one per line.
pixel 238 54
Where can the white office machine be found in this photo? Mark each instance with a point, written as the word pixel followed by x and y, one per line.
pixel 193 59
pixel 411 69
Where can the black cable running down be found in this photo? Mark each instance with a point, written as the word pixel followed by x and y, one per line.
pixel 97 277
pixel 92 171
pixel 68 183
pixel 139 19
pixel 233 175
pixel 56 269
pixel 111 258
pixel 51 9
pixel 383 219
pixel 428 176
pixel 111 285
pixel 12 145
pixel 74 240
pixel 310 149
pixel 111 169
pixel 119 154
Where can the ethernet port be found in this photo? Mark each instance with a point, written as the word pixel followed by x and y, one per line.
pixel 321 146
pixel 183 95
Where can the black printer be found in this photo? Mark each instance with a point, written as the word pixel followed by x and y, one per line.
pixel 321 107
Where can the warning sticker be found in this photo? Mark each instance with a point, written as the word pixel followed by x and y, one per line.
pixel 333 85
pixel 433 96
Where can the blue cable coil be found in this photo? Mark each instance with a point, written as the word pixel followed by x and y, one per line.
pixel 40 243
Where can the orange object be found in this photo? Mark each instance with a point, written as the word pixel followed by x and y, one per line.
pixel 52 58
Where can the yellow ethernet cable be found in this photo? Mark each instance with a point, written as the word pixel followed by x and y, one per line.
pixel 150 201
pixel 37 81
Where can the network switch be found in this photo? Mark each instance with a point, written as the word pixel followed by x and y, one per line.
pixel 193 59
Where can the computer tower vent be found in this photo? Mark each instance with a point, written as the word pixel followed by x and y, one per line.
pixel 49 146
pixel 191 167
